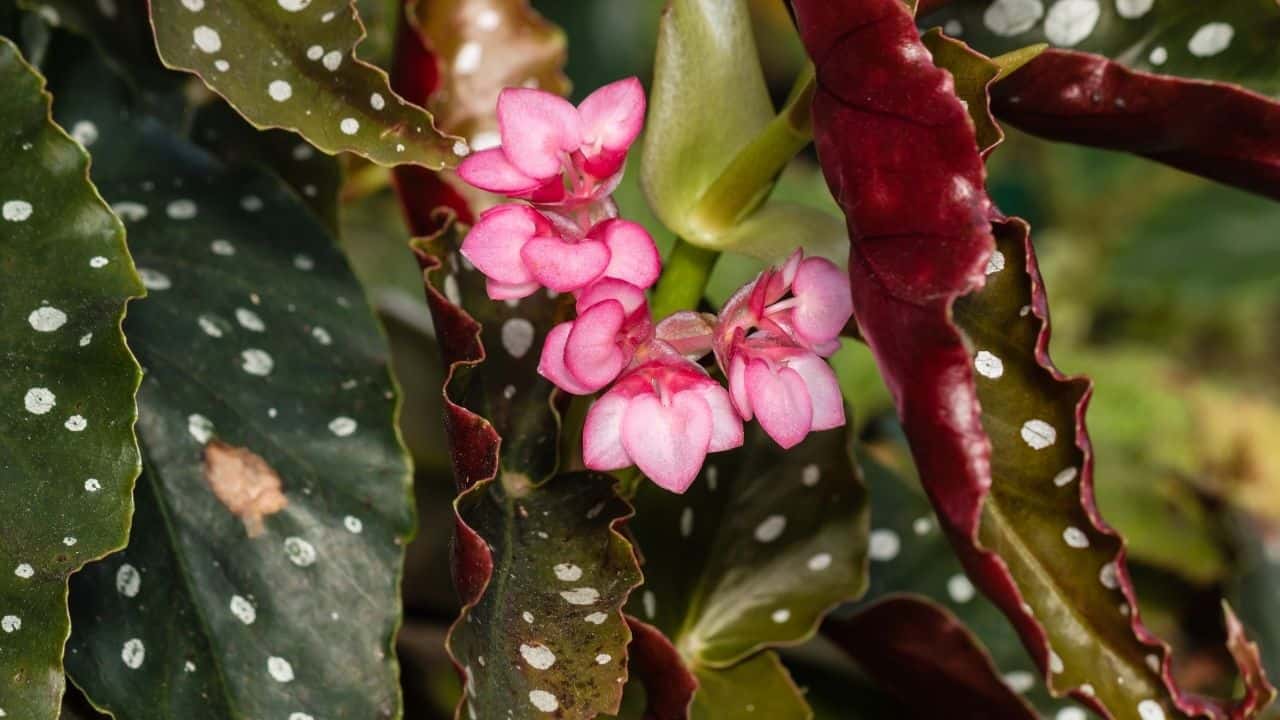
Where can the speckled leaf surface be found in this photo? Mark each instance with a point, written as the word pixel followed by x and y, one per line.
pixel 699 119
pixel 762 545
pixel 997 433
pixel 1228 41
pixel 262 575
pixel 68 458
pixel 1144 77
pixel 910 556
pixel 767 542
pixel 541 568
pixel 292 64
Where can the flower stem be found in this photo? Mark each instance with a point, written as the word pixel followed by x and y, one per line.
pixel 684 278
pixel 749 177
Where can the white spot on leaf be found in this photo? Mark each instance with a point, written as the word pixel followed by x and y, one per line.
pixel 128 581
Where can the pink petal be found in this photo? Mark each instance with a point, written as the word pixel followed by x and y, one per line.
pixel 823 389
pixel 490 170
pixel 668 442
pixel 823 301
pixel 689 333
pixel 592 353
pixel 633 256
pixel 629 296
pixel 602 447
pixel 564 266
pixel 509 291
pixel 537 128
pixel 780 401
pixel 551 365
pixel 612 116
pixel 494 243
pixel 726 426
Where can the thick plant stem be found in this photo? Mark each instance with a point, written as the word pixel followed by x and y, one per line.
pixel 684 278
pixel 749 177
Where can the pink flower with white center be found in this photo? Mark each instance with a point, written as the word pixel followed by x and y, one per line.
pixel 770 343
pixel 553 152
pixel 519 250
pixel 664 417
pixel 585 354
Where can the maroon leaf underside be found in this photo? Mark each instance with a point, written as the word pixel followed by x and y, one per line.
pixel 668 684
pixel 1217 130
pixel 415 75
pixel 901 158
pixel 907 643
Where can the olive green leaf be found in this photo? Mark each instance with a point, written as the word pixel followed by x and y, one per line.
pixel 541 567
pixel 754 554
pixel 1230 41
pixel 292 64
pixel 68 458
pixel 757 687
pixel 262 577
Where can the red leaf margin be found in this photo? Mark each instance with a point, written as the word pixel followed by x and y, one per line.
pixel 907 642
pixel 1218 130
pixel 430 207
pixel 901 158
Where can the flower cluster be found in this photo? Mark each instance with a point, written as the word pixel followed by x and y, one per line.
pixel 662 410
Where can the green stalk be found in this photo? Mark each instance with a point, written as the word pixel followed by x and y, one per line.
pixel 749 177
pixel 684 278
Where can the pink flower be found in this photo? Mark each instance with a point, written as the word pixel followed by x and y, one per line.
pixel 519 250
pixel 789 389
pixel 585 354
pixel 807 300
pixel 664 417
pixel 770 343
pixel 552 152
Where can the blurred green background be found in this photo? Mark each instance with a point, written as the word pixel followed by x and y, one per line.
pixel 1165 289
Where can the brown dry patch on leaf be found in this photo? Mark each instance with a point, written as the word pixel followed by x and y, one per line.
pixel 244 483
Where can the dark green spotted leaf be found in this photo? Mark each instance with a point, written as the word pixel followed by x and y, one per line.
pixel 541 568
pixel 68 458
pixel 292 64
pixel 910 554
pixel 1230 41
pixel 753 555
pixel 546 638
pixel 263 573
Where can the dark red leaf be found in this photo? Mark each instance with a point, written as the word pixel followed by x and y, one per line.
pixel 921 653
pixel 901 157
pixel 668 684
pixel 1214 129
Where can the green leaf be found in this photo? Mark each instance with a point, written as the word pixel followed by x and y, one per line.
pixel 755 553
pixel 756 687
pixel 910 554
pixel 973 74
pixel 547 636
pixel 262 579
pixel 69 458
pixel 707 102
pixel 1231 41
pixel 541 568
pixel 291 64
pixel 819 233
